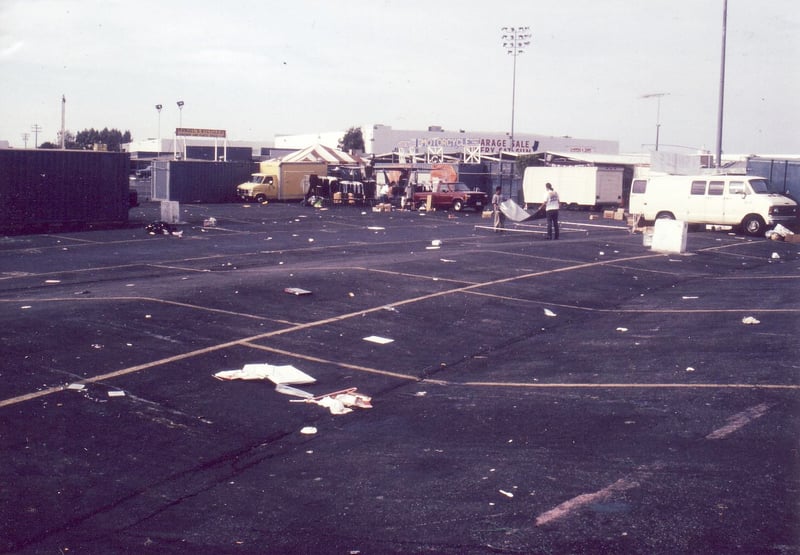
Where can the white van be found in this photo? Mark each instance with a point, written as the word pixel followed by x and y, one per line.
pixel 736 200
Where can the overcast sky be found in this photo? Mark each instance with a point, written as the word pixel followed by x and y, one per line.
pixel 264 68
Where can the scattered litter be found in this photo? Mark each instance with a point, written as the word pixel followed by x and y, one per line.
pixel 433 247
pixel 210 222
pixel 351 294
pixel 548 312
pixel 287 374
pixel 686 298
pixel 750 320
pixel 289 390
pixel 25 307
pixel 506 493
pixel 308 430
pixel 420 394
pixel 446 260
pixel 379 340
pixel 116 394
pixel 775 256
pixel 622 330
pixel 310 239
pixel 340 402
pixel 689 369
pixel 97 346
pixel 76 386
pixel 376 228
pixel 296 291
pixel 601 253
pixel 52 281
pixel 436 243
pixel 779 233
pixel 162 228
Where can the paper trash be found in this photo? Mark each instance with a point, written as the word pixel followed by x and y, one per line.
pixel 749 320
pixel 339 402
pixel 377 339
pixel 287 374
pixel 514 211
pixel 296 291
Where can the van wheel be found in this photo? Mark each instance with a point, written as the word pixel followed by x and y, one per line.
pixel 753 225
pixel 665 216
pixel 260 198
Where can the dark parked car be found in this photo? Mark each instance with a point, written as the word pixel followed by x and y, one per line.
pixel 456 196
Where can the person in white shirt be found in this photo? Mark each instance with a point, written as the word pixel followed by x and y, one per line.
pixel 551 205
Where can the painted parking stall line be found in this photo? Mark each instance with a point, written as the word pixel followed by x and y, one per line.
pixel 565 509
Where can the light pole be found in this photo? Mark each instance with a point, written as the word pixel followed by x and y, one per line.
pixel 180 113
pixel 515 39
pixel 721 82
pixel 658 112
pixel 158 109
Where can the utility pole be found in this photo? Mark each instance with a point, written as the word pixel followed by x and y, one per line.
pixel 25 137
pixel 36 128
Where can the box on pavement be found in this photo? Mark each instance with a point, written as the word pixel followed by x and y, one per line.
pixel 670 236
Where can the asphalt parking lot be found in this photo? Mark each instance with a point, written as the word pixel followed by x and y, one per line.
pixel 585 395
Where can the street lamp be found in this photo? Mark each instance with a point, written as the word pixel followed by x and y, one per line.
pixel 158 108
pixel 658 112
pixel 721 82
pixel 515 39
pixel 180 113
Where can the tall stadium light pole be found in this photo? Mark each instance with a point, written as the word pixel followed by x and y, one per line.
pixel 158 109
pixel 180 113
pixel 515 40
pixel 721 82
pixel 658 112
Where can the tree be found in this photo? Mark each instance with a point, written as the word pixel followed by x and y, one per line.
pixel 112 138
pixel 353 140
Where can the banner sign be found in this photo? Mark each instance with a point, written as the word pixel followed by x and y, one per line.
pixel 190 132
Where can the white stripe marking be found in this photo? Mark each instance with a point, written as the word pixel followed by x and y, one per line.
pixel 739 420
pixel 575 503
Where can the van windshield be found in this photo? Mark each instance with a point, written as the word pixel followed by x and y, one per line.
pixel 759 186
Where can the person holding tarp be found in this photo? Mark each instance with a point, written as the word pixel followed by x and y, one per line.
pixel 499 219
pixel 551 205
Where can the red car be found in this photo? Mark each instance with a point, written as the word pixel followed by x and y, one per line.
pixel 456 196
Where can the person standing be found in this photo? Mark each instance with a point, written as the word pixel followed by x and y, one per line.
pixel 497 199
pixel 550 206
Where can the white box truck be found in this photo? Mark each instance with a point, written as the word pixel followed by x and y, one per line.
pixel 741 201
pixel 577 186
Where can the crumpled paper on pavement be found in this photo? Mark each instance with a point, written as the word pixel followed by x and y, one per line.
pixel 341 403
pixel 286 374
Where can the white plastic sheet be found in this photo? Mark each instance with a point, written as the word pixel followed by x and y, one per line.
pixel 514 211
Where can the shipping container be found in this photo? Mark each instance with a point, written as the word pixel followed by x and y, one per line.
pixel 195 181
pixel 62 187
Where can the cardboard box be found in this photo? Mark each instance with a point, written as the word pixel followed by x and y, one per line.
pixel 608 214
pixel 795 238
pixel 619 215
